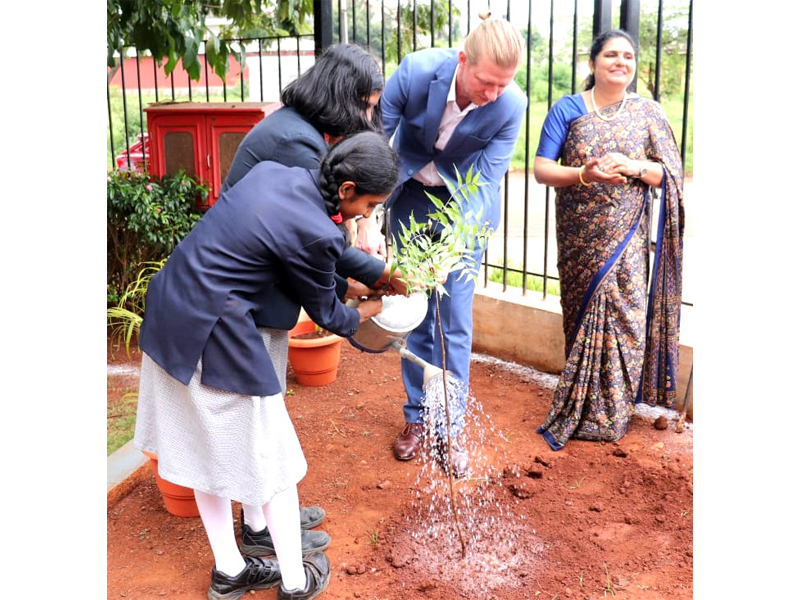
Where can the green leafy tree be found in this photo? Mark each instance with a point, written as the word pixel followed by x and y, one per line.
pixel 409 21
pixel 174 30
pixel 422 22
pixel 673 53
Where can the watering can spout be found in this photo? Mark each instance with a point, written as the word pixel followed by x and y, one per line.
pixel 428 370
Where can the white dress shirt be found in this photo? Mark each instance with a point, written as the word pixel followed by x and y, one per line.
pixel 452 116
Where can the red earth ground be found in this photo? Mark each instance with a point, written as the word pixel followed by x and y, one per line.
pixel 595 520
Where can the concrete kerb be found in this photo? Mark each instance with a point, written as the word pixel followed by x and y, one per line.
pixel 527 330
pixel 125 468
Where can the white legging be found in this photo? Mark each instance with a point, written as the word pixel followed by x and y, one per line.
pixel 281 515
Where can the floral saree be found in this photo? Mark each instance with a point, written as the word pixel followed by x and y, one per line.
pixel 621 341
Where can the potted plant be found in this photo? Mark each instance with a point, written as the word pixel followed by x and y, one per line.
pixel 313 353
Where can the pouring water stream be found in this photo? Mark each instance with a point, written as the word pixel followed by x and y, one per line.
pixel 434 382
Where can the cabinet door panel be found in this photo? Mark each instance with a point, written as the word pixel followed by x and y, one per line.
pixel 225 133
pixel 200 139
pixel 177 141
pixel 180 153
pixel 227 145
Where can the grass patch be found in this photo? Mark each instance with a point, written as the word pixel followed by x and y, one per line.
pixel 532 282
pixel 120 416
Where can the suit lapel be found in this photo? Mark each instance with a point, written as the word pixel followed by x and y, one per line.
pixel 437 98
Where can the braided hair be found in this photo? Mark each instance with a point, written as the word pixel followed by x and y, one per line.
pixel 364 158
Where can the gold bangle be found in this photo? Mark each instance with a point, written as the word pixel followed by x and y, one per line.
pixel 580 176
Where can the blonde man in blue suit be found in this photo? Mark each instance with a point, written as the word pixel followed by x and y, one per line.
pixel 448 109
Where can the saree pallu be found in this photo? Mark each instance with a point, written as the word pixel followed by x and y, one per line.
pixel 621 343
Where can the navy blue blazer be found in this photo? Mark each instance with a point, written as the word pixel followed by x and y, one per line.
pixel 412 105
pixel 287 137
pixel 271 229
pixel 284 136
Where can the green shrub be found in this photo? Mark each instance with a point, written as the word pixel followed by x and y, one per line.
pixel 126 316
pixel 146 218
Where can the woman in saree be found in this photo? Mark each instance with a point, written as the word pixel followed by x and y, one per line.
pixel 603 149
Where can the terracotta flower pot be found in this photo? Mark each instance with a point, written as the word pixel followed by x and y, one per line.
pixel 314 359
pixel 178 500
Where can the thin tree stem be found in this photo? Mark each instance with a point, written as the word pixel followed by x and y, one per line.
pixel 449 441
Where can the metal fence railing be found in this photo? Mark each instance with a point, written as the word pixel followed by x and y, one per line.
pixel 521 255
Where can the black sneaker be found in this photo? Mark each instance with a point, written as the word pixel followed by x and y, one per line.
pixel 310 516
pixel 259 543
pixel 318 573
pixel 258 574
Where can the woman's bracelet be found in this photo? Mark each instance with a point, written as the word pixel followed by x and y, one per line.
pixel 580 176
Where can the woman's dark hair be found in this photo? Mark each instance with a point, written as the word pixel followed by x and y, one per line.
pixel 364 158
pixel 334 93
pixel 597 47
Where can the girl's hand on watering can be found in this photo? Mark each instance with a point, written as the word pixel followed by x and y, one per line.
pixel 368 309
pixel 357 290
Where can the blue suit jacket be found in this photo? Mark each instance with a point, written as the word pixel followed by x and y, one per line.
pixel 412 105
pixel 268 232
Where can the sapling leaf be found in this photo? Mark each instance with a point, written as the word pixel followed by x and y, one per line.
pixel 445 242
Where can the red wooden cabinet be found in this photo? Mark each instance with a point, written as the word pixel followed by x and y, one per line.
pixel 200 138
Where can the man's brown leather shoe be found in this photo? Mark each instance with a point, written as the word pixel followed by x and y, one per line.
pixel 407 444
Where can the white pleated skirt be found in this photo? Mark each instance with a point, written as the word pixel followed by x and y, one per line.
pixel 230 445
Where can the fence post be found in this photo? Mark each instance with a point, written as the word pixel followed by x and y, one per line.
pixel 323 25
pixel 629 22
pixel 602 17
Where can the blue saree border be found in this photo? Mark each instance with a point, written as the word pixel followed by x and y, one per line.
pixel 550 439
pixel 662 215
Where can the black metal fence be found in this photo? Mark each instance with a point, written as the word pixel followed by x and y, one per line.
pixel 521 254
